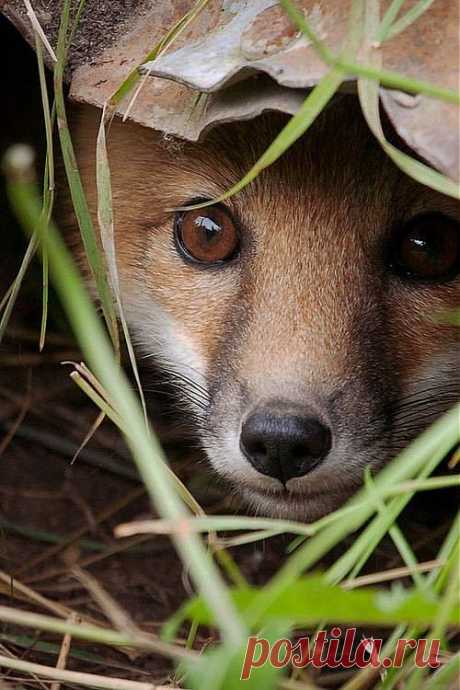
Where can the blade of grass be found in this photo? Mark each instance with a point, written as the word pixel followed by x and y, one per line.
pixel 134 76
pixel 93 633
pixel 387 78
pixel 106 226
pixel 105 214
pixel 48 185
pixel 435 580
pixel 15 588
pixel 26 642
pixel 445 552
pixel 93 253
pixel 9 299
pixel 299 123
pixel 112 610
pixel 38 31
pixel 15 287
pixel 409 18
pixel 247 538
pixel 88 436
pixel 165 43
pixel 450 600
pixel 388 19
pixel 320 96
pixel 392 574
pixel 446 675
pixel 117 419
pixel 358 554
pixel 274 526
pixel 295 128
pixel 145 448
pixel 368 92
pixel 396 535
pixel 87 679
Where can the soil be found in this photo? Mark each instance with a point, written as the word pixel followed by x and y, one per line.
pixel 101 22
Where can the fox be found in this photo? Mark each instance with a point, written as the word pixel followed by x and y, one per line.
pixel 301 321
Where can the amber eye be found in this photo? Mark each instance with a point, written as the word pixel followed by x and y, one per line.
pixel 427 248
pixel 206 235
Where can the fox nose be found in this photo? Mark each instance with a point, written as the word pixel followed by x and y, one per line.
pixel 284 446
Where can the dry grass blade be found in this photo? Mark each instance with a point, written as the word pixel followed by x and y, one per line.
pixel 38 29
pixel 94 633
pixel 93 389
pixel 299 123
pixel 13 588
pixel 113 611
pixel 90 680
pixel 89 435
pixel 90 560
pixel 64 653
pixel 393 574
pixel 9 299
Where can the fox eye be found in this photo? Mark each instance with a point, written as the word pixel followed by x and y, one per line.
pixel 427 248
pixel 206 235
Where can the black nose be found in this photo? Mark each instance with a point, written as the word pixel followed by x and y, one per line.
pixel 284 446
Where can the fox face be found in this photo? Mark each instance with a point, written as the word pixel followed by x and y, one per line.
pixel 302 321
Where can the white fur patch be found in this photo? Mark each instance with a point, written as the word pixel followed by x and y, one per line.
pixel 160 336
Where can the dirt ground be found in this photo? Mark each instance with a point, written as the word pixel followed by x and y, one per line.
pixel 56 514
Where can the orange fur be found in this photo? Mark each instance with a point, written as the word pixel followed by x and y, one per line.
pixel 309 312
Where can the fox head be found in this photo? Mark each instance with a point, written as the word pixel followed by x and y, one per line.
pixel 302 319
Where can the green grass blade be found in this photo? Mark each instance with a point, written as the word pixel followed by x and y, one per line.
pixel 93 253
pixel 396 535
pixel 15 287
pixel 369 98
pixel 106 227
pixel 388 19
pixel 295 128
pixel 450 601
pixel 354 559
pixel 445 552
pixel 312 600
pixel 166 41
pixel 409 18
pixel 388 78
pixel 447 675
pixel 48 186
pixel 368 92
pixel 144 446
